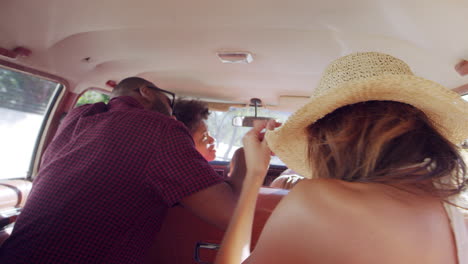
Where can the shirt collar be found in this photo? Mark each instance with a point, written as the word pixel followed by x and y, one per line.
pixel 127 101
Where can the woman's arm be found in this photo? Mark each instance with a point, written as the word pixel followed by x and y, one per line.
pixel 236 243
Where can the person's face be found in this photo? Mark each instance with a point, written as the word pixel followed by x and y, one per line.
pixel 204 143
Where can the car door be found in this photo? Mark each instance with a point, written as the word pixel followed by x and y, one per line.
pixel 28 101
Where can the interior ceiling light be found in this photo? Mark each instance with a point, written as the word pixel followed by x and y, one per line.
pixel 235 57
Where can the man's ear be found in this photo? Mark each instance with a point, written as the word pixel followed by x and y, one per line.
pixel 145 92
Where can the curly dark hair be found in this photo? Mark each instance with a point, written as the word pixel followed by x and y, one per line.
pixel 191 113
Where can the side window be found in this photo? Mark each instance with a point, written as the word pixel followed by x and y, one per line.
pixel 91 97
pixel 25 103
pixel 465 148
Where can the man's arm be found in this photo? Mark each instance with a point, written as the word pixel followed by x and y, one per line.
pixel 216 204
pixel 237 171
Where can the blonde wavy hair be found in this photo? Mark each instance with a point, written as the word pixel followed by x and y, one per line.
pixel 385 142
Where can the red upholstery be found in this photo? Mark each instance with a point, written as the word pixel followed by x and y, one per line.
pixel 181 230
pixel 4 234
pixel 13 195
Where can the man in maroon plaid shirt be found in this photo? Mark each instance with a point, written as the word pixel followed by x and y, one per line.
pixel 108 178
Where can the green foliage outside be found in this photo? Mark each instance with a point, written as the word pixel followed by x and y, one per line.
pixel 91 97
pixel 24 92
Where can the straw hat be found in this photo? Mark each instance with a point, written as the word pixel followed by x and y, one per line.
pixel 363 77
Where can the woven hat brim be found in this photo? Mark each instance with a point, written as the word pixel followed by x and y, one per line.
pixel 447 111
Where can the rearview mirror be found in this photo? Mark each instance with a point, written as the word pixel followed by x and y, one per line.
pixel 247 121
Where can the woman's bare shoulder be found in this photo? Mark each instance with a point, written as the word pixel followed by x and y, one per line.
pixel 325 193
pixel 303 224
pixel 328 221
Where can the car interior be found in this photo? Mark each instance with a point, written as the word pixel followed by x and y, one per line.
pixel 246 59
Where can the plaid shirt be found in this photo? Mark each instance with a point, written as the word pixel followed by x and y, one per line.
pixel 105 184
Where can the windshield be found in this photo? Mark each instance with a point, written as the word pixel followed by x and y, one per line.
pixel 229 138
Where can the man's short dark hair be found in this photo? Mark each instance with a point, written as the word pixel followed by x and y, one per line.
pixel 191 113
pixel 129 85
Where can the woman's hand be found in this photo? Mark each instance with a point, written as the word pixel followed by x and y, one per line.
pixel 257 152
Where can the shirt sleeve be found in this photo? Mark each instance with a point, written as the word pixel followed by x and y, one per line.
pixel 178 169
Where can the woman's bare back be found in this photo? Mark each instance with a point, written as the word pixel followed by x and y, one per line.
pixel 331 221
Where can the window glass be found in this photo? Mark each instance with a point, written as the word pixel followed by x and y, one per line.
pixel 91 97
pixel 229 138
pixel 24 104
pixel 465 156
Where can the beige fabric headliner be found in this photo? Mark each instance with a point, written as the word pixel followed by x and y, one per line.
pixel 174 43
